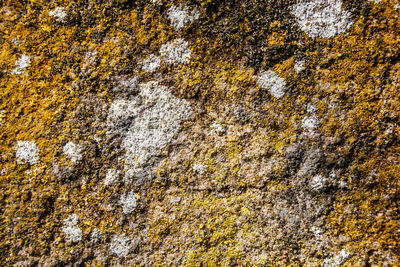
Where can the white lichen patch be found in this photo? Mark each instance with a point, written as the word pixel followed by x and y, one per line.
pixel 71 229
pixel 181 15
pixel 1 116
pixel 174 199
pixel 318 232
pixel 73 152
pixel 322 18
pixel 59 13
pixel 318 182
pixel 122 109
pixel 299 66
pixel 151 64
pixel 217 128
pixel 130 84
pixel 89 60
pixel 21 64
pixel 96 235
pixel 258 259
pixel 153 124
pixel 310 123
pixel 311 108
pixel 199 168
pixel 176 52
pixel 16 41
pixel 129 175
pixel 128 202
pixel 343 185
pixel 120 245
pixel 112 177
pixel 27 151
pixel 338 260
pixel 272 82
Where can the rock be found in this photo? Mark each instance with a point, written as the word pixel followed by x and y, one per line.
pixel 232 133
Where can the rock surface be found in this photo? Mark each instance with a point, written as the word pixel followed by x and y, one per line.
pixel 200 133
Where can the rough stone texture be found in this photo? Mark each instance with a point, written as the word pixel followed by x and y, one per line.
pixel 199 133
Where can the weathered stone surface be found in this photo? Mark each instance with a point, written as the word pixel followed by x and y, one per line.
pixel 199 133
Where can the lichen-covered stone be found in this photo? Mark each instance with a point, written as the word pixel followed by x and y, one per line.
pixel 187 133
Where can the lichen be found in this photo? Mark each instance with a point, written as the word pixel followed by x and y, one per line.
pixel 21 64
pixel 272 82
pixel 155 126
pixel 176 52
pixel 181 15
pixel 27 151
pixel 322 18
pixel 151 63
pixel 71 228
pixel 112 177
pixel 218 166
pixel 128 202
pixel 59 13
pixel 120 245
pixel 72 152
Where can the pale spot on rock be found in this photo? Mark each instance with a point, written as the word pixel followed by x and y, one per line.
pixel 310 123
pixel 59 13
pixel 129 175
pixel 199 168
pixel 156 2
pixel 112 177
pixel 343 185
pixel 176 52
pixel 271 81
pixel 322 18
pixel 153 124
pixel 96 235
pixel 73 152
pixel 71 228
pixel 181 15
pixel 217 129
pixel 338 260
pixel 151 64
pixel 27 151
pixel 299 66
pixel 120 245
pixel 22 63
pixel 318 182
pixel 121 110
pixel 128 202
pixel 318 232
pixel 311 108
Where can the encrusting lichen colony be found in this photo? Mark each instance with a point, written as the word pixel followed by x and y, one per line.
pixel 200 133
